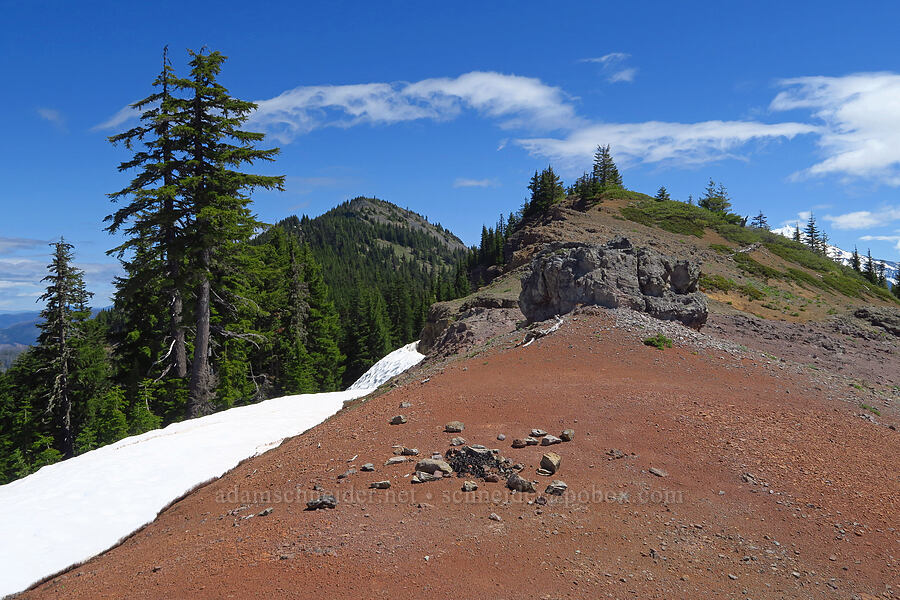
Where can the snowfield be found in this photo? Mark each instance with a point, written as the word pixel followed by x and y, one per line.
pixel 70 511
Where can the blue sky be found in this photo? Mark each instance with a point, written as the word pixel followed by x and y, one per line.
pixel 447 109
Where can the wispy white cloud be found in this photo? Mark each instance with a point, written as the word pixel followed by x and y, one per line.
pixel 662 142
pixel 863 219
pixel 53 116
pixel 9 245
pixel 21 285
pixel 482 183
pixel 612 64
pixel 512 100
pixel 860 113
pixel 895 239
pixel 525 105
pixel 606 59
pixel 625 75
pixel 124 114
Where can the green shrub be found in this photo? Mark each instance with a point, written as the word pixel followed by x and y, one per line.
pixel 716 282
pixel 748 265
pixel 658 341
pixel 721 248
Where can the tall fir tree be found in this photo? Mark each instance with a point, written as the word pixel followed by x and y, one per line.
pixel 811 234
pixel 151 221
pixel 604 171
pixel 218 214
pixel 869 270
pixel 61 326
pixel 855 262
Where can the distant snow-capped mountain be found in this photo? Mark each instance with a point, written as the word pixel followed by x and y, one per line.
pixel 891 268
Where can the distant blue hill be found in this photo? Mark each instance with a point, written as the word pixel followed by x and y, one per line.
pixel 21 327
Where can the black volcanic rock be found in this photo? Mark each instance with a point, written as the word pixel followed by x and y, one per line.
pixel 616 274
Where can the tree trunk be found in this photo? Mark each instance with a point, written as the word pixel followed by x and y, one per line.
pixel 201 384
pixel 68 441
pixel 179 352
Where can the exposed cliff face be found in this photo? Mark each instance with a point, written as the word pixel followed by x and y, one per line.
pixel 616 274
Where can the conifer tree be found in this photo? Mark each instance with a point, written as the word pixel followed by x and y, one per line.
pixel 546 189
pixel 218 214
pixel 715 198
pixel 662 193
pixel 61 327
pixel 152 215
pixel 812 235
pixel 855 262
pixel 605 172
pixel 869 270
pixel 760 221
pixel 797 237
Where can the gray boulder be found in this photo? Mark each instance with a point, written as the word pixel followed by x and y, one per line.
pixel 613 275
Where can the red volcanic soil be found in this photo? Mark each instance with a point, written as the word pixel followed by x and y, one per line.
pixel 816 517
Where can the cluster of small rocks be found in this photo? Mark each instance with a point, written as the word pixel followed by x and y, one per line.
pixel 539 436
pixel 464 459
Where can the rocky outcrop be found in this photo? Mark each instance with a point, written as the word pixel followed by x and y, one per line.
pixel 887 319
pixel 616 274
pixel 449 330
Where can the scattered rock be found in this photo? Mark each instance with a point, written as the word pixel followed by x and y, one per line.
pixel 380 485
pixel 517 483
pixel 398 420
pixel 492 478
pixel 265 512
pixel 549 440
pixel 367 467
pixel 538 433
pixel 405 404
pixel 567 435
pixel 550 462
pixel 395 460
pixel 324 501
pixel 658 472
pixel 458 441
pixel 501 436
pixel 616 274
pixel 469 486
pixel 346 473
pixel 404 451
pixel 615 453
pixel 495 517
pixel 530 441
pixel 454 427
pixel 556 488
pixel 518 443
pixel 423 477
pixel 431 465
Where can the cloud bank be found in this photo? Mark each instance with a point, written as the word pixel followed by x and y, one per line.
pixel 860 114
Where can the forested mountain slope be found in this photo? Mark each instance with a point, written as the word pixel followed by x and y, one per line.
pixel 385 266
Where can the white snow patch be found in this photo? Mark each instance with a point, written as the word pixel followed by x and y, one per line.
pixel 393 364
pixel 68 512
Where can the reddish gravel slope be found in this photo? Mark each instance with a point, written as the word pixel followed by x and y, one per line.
pixel 817 519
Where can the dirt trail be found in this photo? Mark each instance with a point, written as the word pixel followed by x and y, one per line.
pixel 774 488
